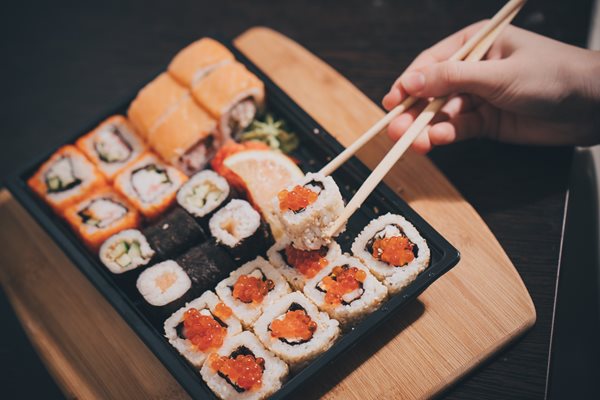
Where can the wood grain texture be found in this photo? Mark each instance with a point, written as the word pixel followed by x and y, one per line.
pixel 461 320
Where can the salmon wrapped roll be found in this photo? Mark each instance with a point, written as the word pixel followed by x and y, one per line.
pixel 232 94
pixel 150 185
pixel 100 216
pixel 112 145
pixel 197 60
pixel 154 102
pixel 186 137
pixel 65 178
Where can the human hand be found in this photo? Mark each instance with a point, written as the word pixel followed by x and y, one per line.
pixel 529 89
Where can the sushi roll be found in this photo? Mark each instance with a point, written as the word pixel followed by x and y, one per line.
pixel 239 229
pixel 150 185
pixel 393 250
pixel 112 146
pixel 346 290
pixel 242 369
pixel 200 327
pixel 297 266
pixel 308 209
pixel 66 178
pixel 232 95
pixel 186 137
pixel 165 283
pixel 206 265
pixel 125 251
pixel 197 60
pixel 100 216
pixel 250 287
pixel 156 100
pixel 173 233
pixel 295 330
pixel 203 194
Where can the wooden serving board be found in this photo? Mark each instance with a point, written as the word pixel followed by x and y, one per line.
pixel 462 319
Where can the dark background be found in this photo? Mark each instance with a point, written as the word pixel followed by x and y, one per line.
pixel 64 63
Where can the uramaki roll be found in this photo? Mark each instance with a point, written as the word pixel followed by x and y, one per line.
pixel 197 60
pixel 232 95
pixel 153 102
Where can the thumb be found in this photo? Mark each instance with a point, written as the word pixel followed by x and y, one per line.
pixel 486 79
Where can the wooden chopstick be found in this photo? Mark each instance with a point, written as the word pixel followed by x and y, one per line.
pixel 507 12
pixel 475 50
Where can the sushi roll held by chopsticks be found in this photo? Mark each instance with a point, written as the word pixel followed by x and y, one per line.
pixel 232 95
pixel 308 209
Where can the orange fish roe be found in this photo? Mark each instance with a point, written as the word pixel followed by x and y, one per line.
pixel 222 311
pixel 202 330
pixel 250 289
pixel 295 324
pixel 396 251
pixel 298 199
pixel 342 281
pixel 307 262
pixel 244 371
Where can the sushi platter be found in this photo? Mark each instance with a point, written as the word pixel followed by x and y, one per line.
pixel 230 264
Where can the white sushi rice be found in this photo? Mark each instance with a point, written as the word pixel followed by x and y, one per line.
pixel 205 304
pixel 125 251
pixel 276 257
pixel 296 352
pixel 386 226
pixel 308 228
pixel 163 283
pixel 247 313
pixel 275 370
pixel 360 302
pixel 234 223
pixel 203 193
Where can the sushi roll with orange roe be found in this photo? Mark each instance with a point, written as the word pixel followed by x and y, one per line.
pixel 150 185
pixel 295 330
pixel 394 251
pixel 298 266
pixel 112 145
pixel 346 290
pixel 307 210
pixel 65 178
pixel 100 216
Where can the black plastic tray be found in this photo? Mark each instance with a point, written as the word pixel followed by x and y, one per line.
pixel 317 147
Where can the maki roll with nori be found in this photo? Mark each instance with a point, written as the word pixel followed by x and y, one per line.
pixel 251 287
pixel 243 369
pixel 206 265
pixel 346 290
pixel 203 194
pixel 394 251
pixel 163 284
pixel 308 209
pixel 201 327
pixel 126 251
pixel 300 265
pixel 174 233
pixel 295 330
pixel 240 230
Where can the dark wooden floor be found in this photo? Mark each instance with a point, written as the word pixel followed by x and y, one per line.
pixel 63 64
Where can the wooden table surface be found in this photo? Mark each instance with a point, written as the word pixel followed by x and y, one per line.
pixel 518 191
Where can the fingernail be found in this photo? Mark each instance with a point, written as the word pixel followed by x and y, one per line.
pixel 413 81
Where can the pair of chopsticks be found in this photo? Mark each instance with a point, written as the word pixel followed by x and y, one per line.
pixel 473 50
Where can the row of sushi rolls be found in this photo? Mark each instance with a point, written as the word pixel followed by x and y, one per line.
pixel 179 197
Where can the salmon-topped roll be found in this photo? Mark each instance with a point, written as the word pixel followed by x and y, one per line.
pixel 112 145
pixel 65 178
pixel 150 185
pixel 100 216
pixel 186 137
pixel 154 101
pixel 232 94
pixel 197 60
